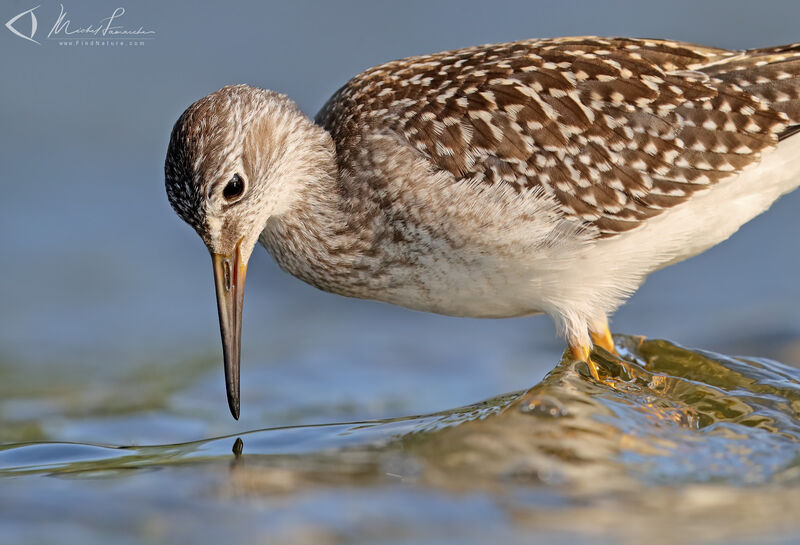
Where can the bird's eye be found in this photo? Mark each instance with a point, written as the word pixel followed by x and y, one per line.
pixel 234 188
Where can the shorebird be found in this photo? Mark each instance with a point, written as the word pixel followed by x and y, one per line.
pixel 542 176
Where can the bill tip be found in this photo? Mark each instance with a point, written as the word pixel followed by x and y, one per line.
pixel 234 406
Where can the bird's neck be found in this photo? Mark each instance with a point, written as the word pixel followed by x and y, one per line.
pixel 314 237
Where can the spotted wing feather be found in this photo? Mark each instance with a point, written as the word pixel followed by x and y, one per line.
pixel 615 130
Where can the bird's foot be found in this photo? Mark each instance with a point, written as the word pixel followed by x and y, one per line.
pixel 583 353
pixel 605 340
pixel 588 355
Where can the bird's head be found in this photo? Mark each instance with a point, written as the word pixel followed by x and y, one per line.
pixel 237 158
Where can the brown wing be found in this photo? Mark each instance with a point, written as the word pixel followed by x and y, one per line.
pixel 616 130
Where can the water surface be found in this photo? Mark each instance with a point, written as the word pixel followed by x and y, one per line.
pixel 673 443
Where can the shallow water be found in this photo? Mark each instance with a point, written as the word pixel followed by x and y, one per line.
pixel 673 444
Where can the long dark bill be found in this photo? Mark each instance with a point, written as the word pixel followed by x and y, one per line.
pixel 229 275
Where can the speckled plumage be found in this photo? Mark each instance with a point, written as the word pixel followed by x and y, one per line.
pixel 500 180
pixel 616 130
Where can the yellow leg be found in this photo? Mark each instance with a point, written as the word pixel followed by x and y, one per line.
pixel 604 339
pixel 582 353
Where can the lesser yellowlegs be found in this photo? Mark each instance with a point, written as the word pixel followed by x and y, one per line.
pixel 495 181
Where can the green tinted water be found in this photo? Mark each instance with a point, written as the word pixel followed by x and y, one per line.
pixel 676 444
